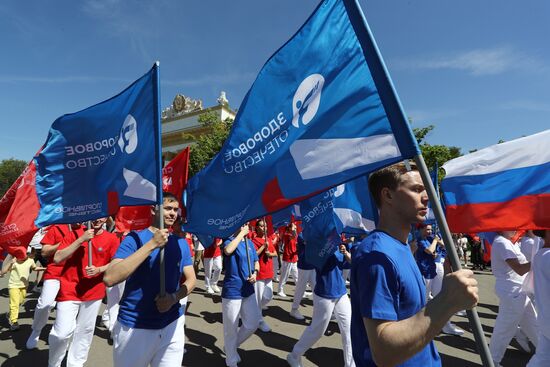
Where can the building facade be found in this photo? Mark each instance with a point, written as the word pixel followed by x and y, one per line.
pixel 180 122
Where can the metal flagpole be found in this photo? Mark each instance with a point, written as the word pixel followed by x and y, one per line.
pixel 156 91
pixel 453 257
pixel 247 258
pixel 90 246
pixel 161 255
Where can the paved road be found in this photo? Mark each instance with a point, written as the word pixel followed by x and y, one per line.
pixel 204 335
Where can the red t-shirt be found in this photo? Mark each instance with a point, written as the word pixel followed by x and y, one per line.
pixel 290 252
pixel 75 285
pixel 266 262
pixel 213 250
pixel 55 235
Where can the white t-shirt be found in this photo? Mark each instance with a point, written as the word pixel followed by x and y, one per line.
pixel 529 247
pixel 507 280
pixel 541 272
pixel 463 241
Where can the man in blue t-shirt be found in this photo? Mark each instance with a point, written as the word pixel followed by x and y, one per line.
pixel 241 266
pixel 306 274
pixel 329 296
pixel 149 328
pixel 391 322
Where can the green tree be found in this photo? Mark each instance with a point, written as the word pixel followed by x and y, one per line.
pixel 435 153
pixel 208 145
pixel 10 169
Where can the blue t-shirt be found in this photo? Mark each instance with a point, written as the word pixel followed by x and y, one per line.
pixel 302 261
pixel 385 285
pixel 425 261
pixel 137 306
pixel 330 283
pixel 235 284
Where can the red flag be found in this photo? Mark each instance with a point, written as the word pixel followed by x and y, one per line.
pixel 133 218
pixel 175 174
pixel 18 210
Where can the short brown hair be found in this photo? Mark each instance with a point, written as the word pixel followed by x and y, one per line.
pixel 389 177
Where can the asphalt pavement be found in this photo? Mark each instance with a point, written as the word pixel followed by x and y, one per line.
pixel 204 334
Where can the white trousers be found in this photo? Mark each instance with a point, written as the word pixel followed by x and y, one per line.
pixel 143 347
pixel 110 314
pixel 76 319
pixel 288 269
pixel 233 336
pixel 212 270
pixel 542 356
pixel 304 277
pixel 514 309
pixel 263 289
pixel 276 267
pixel 46 302
pixel 433 286
pixel 322 311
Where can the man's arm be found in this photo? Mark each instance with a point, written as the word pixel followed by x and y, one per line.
pixel 49 250
pixel 65 253
pixel 166 302
pixel 431 249
pixel 520 269
pixel 230 248
pixel 120 269
pixel 394 342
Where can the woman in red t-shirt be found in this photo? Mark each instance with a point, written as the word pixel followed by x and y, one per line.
pixel 290 258
pixel 212 260
pixel 264 281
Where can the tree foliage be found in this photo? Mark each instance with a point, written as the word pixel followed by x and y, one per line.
pixel 435 153
pixel 10 169
pixel 208 145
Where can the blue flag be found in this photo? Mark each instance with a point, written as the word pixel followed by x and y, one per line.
pixel 347 208
pixel 103 157
pixel 321 112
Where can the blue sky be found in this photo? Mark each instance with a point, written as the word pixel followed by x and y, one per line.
pixel 477 70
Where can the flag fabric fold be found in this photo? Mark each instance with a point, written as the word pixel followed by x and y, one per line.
pixel 502 187
pixel 346 208
pixel 93 162
pixel 102 157
pixel 321 112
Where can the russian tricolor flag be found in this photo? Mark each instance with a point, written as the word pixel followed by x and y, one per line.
pixel 502 187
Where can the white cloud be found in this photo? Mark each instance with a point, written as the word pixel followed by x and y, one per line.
pixel 490 61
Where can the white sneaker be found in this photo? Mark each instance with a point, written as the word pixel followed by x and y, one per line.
pixel 32 342
pixel 461 313
pixel 282 294
pixel 296 314
pixel 294 361
pixel 264 327
pixel 452 329
pixel 210 290
pixel 216 289
pixel 523 342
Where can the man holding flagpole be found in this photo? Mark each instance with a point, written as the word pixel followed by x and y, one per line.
pixel 392 323
pixel 144 315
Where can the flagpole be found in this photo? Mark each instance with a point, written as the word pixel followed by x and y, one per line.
pixel 473 317
pixel 90 246
pixel 247 258
pixel 156 99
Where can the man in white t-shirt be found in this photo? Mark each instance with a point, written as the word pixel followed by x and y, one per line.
pixel 541 272
pixel 509 266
